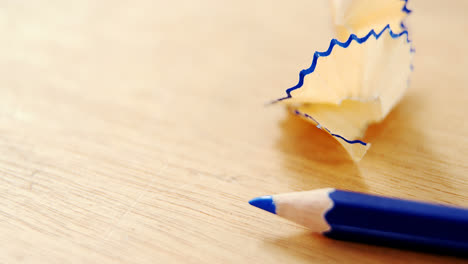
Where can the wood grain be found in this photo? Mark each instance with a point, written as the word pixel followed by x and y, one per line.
pixel 136 132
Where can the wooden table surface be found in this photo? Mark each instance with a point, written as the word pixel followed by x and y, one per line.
pixel 137 132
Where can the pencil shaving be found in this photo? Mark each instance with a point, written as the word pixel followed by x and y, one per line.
pixel 360 78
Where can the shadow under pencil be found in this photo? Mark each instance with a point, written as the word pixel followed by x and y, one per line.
pixel 399 244
pixel 306 245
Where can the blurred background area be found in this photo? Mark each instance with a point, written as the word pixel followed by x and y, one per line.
pixel 166 56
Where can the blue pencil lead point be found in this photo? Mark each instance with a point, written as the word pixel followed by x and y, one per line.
pixel 264 202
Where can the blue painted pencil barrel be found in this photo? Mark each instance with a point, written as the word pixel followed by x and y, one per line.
pixel 396 222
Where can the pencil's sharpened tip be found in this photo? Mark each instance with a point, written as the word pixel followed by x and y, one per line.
pixel 264 202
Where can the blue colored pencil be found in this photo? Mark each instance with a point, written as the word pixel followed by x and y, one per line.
pixel 374 219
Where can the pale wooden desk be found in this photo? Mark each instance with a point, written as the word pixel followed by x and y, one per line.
pixel 137 132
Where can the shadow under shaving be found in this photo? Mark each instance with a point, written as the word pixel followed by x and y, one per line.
pixel 400 143
pixel 400 124
pixel 305 139
pixel 315 156
pixel 305 147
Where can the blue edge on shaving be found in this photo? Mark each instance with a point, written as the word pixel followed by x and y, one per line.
pixel 345 44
